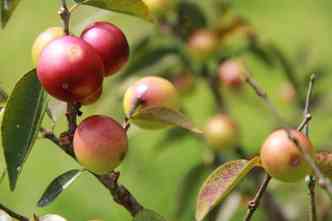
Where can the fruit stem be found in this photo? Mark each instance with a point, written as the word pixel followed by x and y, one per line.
pixel 65 16
pixel 254 204
pixel 13 214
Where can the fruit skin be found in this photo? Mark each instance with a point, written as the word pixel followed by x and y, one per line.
pixel 152 92
pixel 70 69
pixel 231 73
pixel 52 217
pixel 202 43
pixel 43 40
pixel 110 43
pixel 282 159
pixel 221 132
pixel 4 216
pixel 100 144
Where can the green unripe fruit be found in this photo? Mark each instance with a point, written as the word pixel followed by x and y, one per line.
pixel 100 144
pixel 43 40
pixel 221 132
pixel 52 217
pixel 150 92
pixel 282 159
pixel 4 216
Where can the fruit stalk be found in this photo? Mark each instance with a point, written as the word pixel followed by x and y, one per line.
pixel 65 16
pixel 13 214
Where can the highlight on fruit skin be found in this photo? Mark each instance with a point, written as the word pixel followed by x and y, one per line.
pixel 100 144
pixel 221 132
pixel 150 91
pixel 4 216
pixel 110 43
pixel 232 73
pixel 51 217
pixel 43 40
pixel 282 159
pixel 70 70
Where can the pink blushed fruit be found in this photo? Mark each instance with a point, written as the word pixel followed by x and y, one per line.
pixel 100 144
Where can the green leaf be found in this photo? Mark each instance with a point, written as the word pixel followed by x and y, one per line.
pixel 220 183
pixel 7 8
pixel 148 215
pixel 21 123
pixel 56 109
pixel 166 116
pixel 132 7
pixel 324 162
pixel 57 186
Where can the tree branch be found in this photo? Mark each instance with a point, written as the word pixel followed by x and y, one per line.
pixel 13 214
pixel 120 193
pixel 254 204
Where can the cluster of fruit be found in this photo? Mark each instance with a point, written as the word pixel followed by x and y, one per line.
pixel 72 69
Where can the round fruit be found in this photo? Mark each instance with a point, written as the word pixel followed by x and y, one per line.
pixel 52 217
pixel 4 216
pixel 150 92
pixel 158 7
pixel 43 40
pixel 231 73
pixel 70 69
pixel 100 144
pixel 110 43
pixel 203 43
pixel 221 132
pixel 282 159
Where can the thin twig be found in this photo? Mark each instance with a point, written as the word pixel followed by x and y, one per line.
pixel 263 95
pixel 254 204
pixel 13 214
pixel 305 128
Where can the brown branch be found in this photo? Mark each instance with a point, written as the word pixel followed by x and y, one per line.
pixel 263 95
pixel 13 214
pixel 254 204
pixel 120 193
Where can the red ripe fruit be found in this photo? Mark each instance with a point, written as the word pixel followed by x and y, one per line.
pixel 110 43
pixel 100 144
pixel 70 70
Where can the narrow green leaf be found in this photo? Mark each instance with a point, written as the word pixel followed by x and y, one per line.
pixel 167 116
pixel 57 186
pixel 132 7
pixel 7 8
pixel 324 162
pixel 148 215
pixel 21 123
pixel 220 183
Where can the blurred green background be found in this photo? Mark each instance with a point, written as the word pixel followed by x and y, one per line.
pixel 153 175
